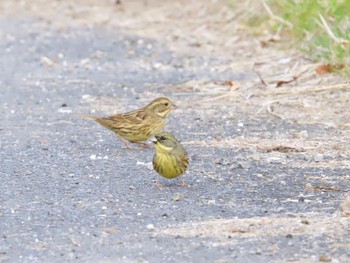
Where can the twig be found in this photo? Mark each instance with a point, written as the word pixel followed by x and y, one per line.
pixel 330 32
pixel 273 16
pixel 307 89
pixel 261 79
pixel 229 94
pixel 279 83
pixel 267 107
pixel 269 110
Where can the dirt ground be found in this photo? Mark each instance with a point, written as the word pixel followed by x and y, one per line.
pixel 268 138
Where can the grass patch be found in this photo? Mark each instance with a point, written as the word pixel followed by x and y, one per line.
pixel 319 28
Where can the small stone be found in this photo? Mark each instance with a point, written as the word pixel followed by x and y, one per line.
pixel 157 65
pixel 109 230
pixel 150 227
pixel 178 197
pixel 305 222
pixel 289 236
pixel 275 160
pixel 218 161
pixel 325 258
pixel 93 157
pixel 318 157
pixel 211 202
pixel 259 175
pixel 64 105
pixel 46 61
pixel 241 165
pixel 222 161
pixel 84 62
pixel 301 199
pixel 64 110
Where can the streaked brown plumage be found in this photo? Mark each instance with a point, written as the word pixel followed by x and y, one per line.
pixel 137 126
pixel 171 159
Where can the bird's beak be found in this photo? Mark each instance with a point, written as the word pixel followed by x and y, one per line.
pixel 154 140
pixel 173 107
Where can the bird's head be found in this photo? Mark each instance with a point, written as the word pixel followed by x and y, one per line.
pixel 161 107
pixel 165 142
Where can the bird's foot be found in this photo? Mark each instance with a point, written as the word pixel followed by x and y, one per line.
pixel 158 185
pixel 182 182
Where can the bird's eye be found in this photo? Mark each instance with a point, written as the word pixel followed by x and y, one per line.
pixel 162 138
pixel 166 104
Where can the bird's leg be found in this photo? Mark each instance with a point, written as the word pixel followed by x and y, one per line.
pixel 183 183
pixel 142 145
pixel 158 184
pixel 127 145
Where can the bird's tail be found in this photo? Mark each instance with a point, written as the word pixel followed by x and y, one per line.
pixel 87 116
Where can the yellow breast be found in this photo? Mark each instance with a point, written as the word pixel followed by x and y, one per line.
pixel 169 166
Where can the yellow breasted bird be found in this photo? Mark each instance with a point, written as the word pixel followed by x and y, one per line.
pixel 138 125
pixel 171 159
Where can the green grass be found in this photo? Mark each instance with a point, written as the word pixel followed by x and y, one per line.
pixel 304 23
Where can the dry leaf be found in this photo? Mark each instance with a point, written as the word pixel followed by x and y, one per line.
pixel 328 68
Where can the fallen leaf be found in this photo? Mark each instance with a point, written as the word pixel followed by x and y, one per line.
pixel 328 68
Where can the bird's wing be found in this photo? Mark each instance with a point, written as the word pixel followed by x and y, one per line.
pixel 133 117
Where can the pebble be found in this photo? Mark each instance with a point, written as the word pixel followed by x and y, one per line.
pixel 325 258
pixel 46 61
pixel 318 157
pixel 178 197
pixel 150 227
pixel 211 202
pixel 275 159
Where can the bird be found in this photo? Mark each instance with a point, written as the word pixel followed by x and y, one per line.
pixel 170 159
pixel 138 125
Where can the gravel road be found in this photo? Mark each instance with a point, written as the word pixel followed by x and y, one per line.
pixel 71 192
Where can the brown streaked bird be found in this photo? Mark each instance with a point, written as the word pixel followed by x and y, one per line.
pixel 138 125
pixel 171 159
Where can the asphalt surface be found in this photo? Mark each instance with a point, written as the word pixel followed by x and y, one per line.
pixel 71 192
